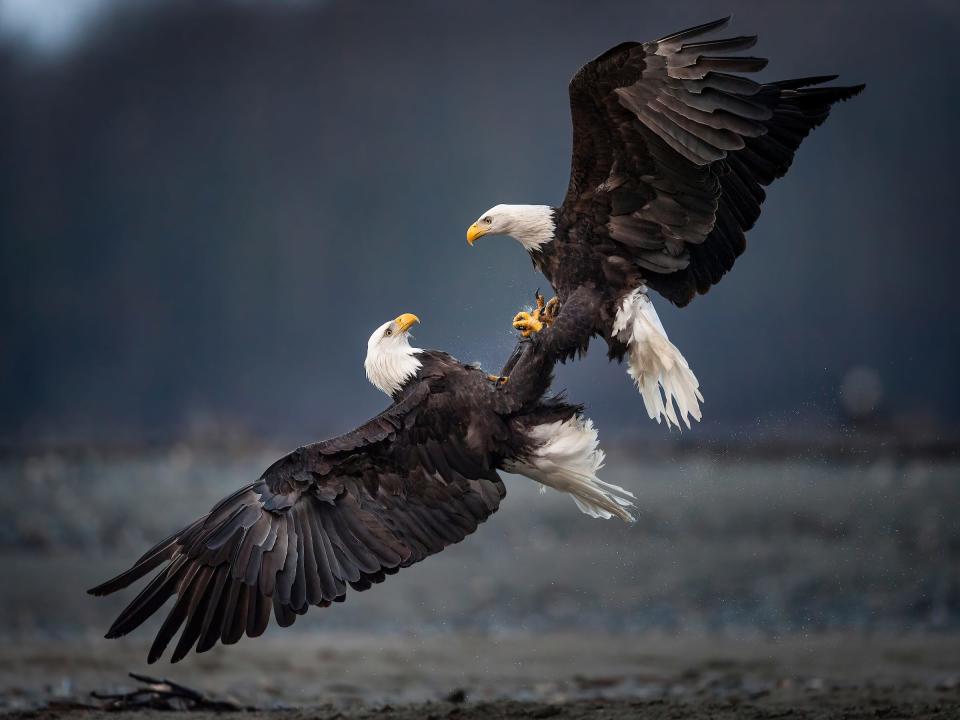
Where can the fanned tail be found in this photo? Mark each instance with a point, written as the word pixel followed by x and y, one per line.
pixel 566 457
pixel 667 384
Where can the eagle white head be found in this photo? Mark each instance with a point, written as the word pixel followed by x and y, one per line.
pixel 390 361
pixel 530 225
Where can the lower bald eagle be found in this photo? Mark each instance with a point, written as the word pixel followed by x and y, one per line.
pixel 671 152
pixel 351 510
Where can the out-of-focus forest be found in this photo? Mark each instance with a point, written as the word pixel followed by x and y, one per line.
pixel 206 207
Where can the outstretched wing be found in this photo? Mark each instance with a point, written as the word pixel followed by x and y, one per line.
pixel 348 511
pixel 671 150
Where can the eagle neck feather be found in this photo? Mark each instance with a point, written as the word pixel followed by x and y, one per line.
pixel 390 371
pixel 533 225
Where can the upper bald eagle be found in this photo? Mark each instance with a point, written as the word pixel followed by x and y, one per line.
pixel 349 511
pixel 671 151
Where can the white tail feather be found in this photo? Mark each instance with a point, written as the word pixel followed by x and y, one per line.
pixel 566 457
pixel 655 364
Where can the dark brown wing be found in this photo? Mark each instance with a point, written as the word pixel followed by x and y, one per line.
pixel 348 511
pixel 671 149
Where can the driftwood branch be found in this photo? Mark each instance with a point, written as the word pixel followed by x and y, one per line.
pixel 163 695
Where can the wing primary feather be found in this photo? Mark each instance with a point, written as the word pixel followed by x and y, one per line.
pixel 735 84
pixel 324 559
pixel 177 614
pixel 274 560
pixel 338 573
pixel 152 559
pixel 298 592
pixel 796 83
pixel 232 598
pixel 363 558
pixel 150 599
pixel 284 615
pixel 236 621
pixel 741 42
pixel 311 566
pixel 348 569
pixel 259 618
pixel 195 614
pixel 213 616
pixel 675 39
pixel 285 579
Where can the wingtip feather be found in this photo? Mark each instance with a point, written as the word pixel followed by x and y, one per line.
pixel 696 30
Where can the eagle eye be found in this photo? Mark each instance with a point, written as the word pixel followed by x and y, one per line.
pixel 389 332
pixel 488 220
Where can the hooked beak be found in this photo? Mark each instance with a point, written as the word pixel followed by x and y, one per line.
pixel 474 232
pixel 406 320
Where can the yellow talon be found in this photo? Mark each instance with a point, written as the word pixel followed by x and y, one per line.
pixel 498 379
pixel 528 323
pixel 535 320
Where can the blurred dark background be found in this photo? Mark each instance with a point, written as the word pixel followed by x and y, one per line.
pixel 205 208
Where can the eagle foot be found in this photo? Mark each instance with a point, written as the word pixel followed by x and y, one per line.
pixel 528 323
pixel 498 379
pixel 543 314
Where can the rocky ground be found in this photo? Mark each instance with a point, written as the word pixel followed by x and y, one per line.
pixel 462 676
pixel 849 704
pixel 795 588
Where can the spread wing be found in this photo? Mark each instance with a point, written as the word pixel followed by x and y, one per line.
pixel 672 148
pixel 347 511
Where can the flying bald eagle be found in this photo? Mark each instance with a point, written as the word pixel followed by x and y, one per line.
pixel 671 151
pixel 350 511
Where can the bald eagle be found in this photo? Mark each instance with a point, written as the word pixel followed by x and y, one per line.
pixel 671 151
pixel 351 510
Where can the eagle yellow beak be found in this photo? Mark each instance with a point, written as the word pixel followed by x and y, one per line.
pixel 473 232
pixel 406 320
